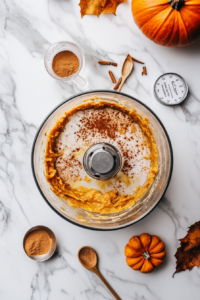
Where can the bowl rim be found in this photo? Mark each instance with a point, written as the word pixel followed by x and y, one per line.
pixel 113 92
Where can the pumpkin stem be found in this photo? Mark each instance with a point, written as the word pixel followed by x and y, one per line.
pixel 176 4
pixel 146 255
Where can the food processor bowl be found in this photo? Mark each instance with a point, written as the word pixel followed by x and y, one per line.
pixel 94 220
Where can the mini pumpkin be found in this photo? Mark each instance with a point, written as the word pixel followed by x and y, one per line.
pixel 145 252
pixel 168 23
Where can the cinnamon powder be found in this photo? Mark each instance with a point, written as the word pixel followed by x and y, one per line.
pixel 37 242
pixel 65 64
pixel 88 256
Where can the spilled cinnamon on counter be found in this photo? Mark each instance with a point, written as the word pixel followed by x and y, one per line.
pixel 65 64
pixel 38 242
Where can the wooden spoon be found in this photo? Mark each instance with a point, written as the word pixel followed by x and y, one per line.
pixel 126 70
pixel 88 258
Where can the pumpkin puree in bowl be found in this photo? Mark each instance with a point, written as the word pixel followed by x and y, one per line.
pixel 108 196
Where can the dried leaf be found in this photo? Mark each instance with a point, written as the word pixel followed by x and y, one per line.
pixel 111 6
pixel 92 7
pixel 96 7
pixel 188 255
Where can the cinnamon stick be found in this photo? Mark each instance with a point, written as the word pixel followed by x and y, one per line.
pixel 118 84
pixel 112 76
pixel 140 62
pixel 102 62
pixel 144 72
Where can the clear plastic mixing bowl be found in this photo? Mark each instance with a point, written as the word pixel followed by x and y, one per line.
pixel 92 220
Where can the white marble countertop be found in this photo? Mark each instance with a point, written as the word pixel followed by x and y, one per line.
pixel 28 94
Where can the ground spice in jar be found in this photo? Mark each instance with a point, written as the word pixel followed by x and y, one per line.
pixel 65 64
pixel 38 242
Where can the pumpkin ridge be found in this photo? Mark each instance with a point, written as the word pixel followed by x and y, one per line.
pixel 179 30
pixel 156 262
pixel 145 240
pixel 173 30
pixel 190 2
pixel 196 4
pixel 158 248
pixel 160 255
pixel 161 25
pixel 147 267
pixel 149 8
pixel 134 261
pixel 154 36
pixel 181 17
pixel 139 265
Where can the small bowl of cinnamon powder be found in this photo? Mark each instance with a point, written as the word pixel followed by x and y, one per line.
pixel 64 61
pixel 39 243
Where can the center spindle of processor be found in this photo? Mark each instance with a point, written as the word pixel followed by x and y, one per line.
pixel 102 161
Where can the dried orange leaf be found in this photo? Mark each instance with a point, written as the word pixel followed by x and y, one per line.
pixel 188 255
pixel 111 6
pixel 92 7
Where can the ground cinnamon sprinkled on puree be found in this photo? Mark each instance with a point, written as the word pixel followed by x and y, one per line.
pixel 38 242
pixel 65 64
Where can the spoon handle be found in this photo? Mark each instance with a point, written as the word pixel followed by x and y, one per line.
pixel 122 83
pixel 96 271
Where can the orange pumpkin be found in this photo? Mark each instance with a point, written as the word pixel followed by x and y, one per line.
pixel 168 23
pixel 145 252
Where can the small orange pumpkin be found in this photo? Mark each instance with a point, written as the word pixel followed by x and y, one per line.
pixel 168 23
pixel 145 252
